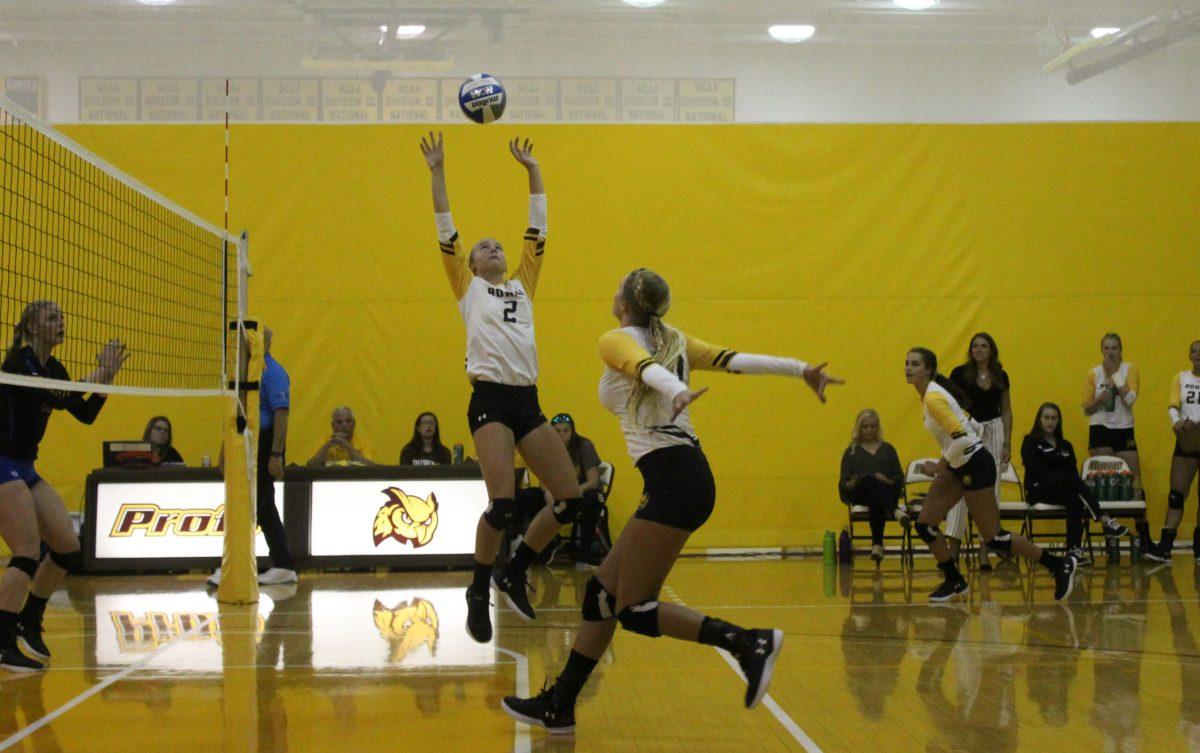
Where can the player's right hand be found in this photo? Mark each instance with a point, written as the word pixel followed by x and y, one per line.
pixel 432 149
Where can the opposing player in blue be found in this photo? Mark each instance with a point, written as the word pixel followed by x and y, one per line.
pixel 30 509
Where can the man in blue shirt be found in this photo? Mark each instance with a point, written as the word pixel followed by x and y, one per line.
pixel 274 401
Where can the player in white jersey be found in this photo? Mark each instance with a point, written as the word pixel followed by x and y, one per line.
pixel 646 385
pixel 967 471
pixel 1184 412
pixel 504 414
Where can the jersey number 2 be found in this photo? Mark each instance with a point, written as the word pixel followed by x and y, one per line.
pixel 510 312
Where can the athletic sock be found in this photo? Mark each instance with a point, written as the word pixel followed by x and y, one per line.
pixel 483 576
pixel 521 559
pixel 8 627
pixel 35 607
pixel 719 633
pixel 574 676
pixel 1051 562
pixel 950 569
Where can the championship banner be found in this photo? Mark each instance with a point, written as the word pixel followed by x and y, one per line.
pixel 418 517
pixel 169 521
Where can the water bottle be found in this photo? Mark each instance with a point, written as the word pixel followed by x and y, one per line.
pixel 206 462
pixel 830 576
pixel 1112 546
pixel 828 548
pixel 1110 405
pixel 845 548
pixel 1102 488
pixel 458 454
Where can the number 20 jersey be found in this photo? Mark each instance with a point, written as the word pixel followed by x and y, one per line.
pixel 499 318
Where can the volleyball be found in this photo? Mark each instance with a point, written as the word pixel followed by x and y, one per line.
pixel 482 98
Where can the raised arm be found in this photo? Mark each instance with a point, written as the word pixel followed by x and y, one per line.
pixel 435 157
pixel 454 258
pixel 535 233
pixel 701 355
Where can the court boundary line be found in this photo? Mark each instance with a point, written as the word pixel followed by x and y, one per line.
pixel 776 710
pixel 521 742
pixel 28 730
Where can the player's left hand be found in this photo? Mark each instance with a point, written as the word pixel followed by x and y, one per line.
pixel 1005 455
pixel 275 467
pixel 683 399
pixel 112 357
pixel 523 153
pixel 816 378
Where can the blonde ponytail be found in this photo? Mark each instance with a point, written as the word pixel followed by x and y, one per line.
pixel 649 298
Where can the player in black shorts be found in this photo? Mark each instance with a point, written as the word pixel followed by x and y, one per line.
pixel 646 385
pixel 30 509
pixel 504 414
pixel 1184 413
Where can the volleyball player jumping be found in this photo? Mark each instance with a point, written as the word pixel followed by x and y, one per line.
pixel 30 509
pixel 502 364
pixel 966 470
pixel 646 385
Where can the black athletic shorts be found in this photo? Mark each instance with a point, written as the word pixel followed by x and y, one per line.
pixel 515 407
pixel 1120 440
pixel 678 490
pixel 977 473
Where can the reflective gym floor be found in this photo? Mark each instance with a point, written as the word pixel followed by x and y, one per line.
pixel 370 662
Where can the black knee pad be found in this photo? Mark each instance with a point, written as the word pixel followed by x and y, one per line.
pixel 1175 500
pixel 566 510
pixel 925 533
pixel 1001 542
pixel 598 605
pixel 27 565
pixel 641 618
pixel 72 562
pixel 500 512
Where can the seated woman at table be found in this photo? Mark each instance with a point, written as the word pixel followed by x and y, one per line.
pixel 161 437
pixel 425 447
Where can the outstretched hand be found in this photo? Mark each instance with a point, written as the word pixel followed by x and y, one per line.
pixel 683 399
pixel 435 155
pixel 523 153
pixel 816 378
pixel 111 358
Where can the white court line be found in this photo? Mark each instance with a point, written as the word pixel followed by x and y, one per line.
pixel 788 723
pixel 521 736
pixel 27 731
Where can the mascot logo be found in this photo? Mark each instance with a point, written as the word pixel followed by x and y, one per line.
pixel 406 518
pixel 407 626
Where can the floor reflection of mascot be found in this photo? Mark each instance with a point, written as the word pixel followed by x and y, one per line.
pixel 407 626
pixel 406 518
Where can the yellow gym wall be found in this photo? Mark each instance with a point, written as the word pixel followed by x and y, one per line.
pixel 846 243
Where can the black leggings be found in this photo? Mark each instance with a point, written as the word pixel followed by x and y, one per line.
pixel 879 499
pixel 268 516
pixel 1068 490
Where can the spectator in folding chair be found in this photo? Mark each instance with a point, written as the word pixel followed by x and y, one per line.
pixel 1052 477
pixel 871 476
pixel 1184 411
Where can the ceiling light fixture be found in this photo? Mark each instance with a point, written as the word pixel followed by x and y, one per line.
pixel 409 32
pixel 915 4
pixel 643 3
pixel 156 2
pixel 791 33
pixel 1103 31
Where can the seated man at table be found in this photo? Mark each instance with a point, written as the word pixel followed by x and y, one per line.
pixel 344 446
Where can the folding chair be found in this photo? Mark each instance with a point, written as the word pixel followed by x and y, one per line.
pixel 1128 509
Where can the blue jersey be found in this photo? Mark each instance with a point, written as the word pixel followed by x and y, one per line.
pixel 274 392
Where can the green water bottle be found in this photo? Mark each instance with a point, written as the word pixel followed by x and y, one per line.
pixel 828 548
pixel 1110 405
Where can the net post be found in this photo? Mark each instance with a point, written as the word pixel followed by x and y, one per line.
pixel 239 571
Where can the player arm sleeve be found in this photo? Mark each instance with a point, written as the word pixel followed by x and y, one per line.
pixel 620 351
pixel 703 356
pixel 85 410
pixel 939 409
pixel 1176 403
pixel 1133 382
pixel 454 258
pixel 531 258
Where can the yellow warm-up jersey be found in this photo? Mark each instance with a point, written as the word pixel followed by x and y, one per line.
pixel 1121 416
pixel 626 353
pixel 499 318
pixel 1185 396
pixel 955 432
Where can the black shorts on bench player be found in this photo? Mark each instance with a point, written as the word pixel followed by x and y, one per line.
pixel 646 385
pixel 504 415
pixel 966 471
pixel 33 510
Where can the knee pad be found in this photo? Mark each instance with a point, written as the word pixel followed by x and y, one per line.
pixel 1001 542
pixel 27 565
pixel 72 562
pixel 566 510
pixel 500 512
pixel 598 605
pixel 1175 500
pixel 641 618
pixel 925 533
